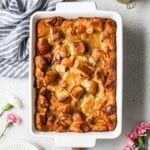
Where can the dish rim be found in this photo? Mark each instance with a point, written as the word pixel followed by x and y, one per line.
pixel 119 51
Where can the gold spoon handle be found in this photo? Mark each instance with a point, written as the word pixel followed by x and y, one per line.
pixel 132 4
pixel 125 1
pixel 76 148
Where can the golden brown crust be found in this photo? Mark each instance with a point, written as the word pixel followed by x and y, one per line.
pixel 75 71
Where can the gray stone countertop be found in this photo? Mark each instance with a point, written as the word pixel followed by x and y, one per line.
pixel 136 93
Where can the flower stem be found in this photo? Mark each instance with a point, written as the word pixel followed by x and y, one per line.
pixel 3 133
pixel 8 124
pixel 1 113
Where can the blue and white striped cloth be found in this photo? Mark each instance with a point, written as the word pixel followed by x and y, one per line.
pixel 14 34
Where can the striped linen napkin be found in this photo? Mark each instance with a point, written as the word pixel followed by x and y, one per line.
pixel 14 34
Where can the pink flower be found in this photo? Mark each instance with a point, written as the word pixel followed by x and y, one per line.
pixel 129 147
pixel 132 136
pixel 12 118
pixel 143 125
pixel 142 128
pixel 130 142
pixel 141 132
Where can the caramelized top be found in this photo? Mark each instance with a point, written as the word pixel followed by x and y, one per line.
pixel 75 70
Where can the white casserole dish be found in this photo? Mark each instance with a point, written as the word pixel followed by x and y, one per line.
pixel 74 10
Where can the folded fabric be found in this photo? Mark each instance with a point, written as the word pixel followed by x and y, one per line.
pixel 14 34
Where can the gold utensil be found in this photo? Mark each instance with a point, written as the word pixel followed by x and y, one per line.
pixel 130 3
pixel 76 148
pixel 124 1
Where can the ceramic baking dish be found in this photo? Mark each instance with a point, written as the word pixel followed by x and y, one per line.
pixel 74 10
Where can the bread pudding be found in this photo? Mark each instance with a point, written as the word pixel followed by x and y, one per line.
pixel 75 74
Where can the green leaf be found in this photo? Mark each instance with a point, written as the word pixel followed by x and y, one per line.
pixel 7 107
pixel 140 140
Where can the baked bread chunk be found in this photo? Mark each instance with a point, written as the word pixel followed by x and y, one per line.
pixel 75 74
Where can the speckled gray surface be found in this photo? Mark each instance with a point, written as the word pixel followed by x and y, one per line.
pixel 136 78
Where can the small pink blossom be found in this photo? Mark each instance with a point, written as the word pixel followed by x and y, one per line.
pixel 141 132
pixel 143 125
pixel 130 142
pixel 142 128
pixel 129 147
pixel 12 118
pixel 132 136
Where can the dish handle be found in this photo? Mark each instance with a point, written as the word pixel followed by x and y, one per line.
pixel 75 6
pixel 74 141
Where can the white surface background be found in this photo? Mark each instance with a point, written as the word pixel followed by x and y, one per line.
pixel 136 79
